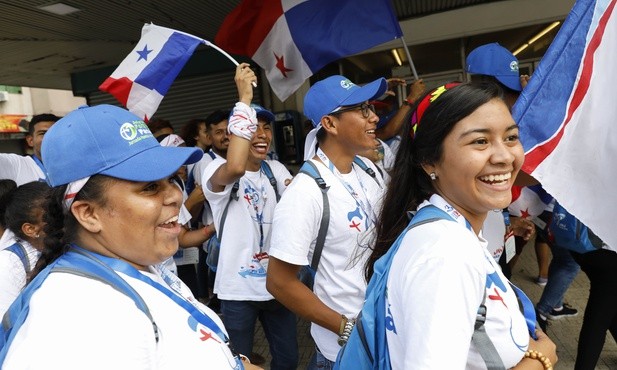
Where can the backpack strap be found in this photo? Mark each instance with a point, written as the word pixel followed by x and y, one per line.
pixel 265 167
pixel 367 169
pixel 21 252
pixel 483 343
pixel 211 154
pixel 309 168
pixel 232 196
pixel 72 262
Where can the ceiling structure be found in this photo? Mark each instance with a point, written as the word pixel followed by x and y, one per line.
pixel 41 49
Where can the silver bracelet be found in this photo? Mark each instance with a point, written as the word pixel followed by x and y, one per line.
pixel 344 335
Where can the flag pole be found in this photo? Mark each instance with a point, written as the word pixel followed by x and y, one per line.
pixel 413 68
pixel 208 43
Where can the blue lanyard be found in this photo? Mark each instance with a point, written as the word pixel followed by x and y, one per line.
pixel 259 216
pixel 127 269
pixel 365 206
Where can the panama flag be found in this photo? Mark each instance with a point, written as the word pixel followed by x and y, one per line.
pixel 145 75
pixel 568 117
pixel 529 201
pixel 292 39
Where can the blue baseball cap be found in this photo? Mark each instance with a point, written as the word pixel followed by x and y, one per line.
pixel 338 91
pixel 111 141
pixel 263 113
pixel 333 92
pixel 497 61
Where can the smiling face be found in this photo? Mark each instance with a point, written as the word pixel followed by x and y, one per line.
pixel 356 133
pixel 481 158
pixel 219 138
pixel 137 222
pixel 260 143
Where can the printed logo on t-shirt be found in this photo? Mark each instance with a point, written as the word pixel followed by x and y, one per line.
pixel 256 268
pixel 355 218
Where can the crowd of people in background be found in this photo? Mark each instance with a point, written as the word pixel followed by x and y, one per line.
pixel 163 249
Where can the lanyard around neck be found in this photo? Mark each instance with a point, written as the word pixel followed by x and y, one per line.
pixel 363 204
pixel 127 269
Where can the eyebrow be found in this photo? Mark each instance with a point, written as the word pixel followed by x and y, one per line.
pixel 484 131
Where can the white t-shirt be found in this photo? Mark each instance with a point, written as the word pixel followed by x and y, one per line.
pixel 7 239
pixel 339 282
pixel 77 323
pixel 241 270
pixel 494 231
pixel 198 171
pixel 21 169
pixel 13 274
pixel 436 283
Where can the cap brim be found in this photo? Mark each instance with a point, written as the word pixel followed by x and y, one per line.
pixel 367 92
pixel 511 82
pixel 268 116
pixel 154 164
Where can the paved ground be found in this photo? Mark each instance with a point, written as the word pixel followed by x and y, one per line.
pixel 564 332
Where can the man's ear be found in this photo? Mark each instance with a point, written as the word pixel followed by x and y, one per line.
pixel 328 124
pixel 30 140
pixel 87 214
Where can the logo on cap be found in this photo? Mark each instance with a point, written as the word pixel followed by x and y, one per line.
pixel 514 66
pixel 130 130
pixel 346 84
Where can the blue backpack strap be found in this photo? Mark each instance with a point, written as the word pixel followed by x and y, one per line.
pixel 211 154
pixel 265 167
pixel 309 168
pixel 367 342
pixel 366 168
pixel 21 252
pixel 76 263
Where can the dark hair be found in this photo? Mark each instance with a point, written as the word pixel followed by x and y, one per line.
pixel 46 117
pixel 6 186
pixel 190 130
pixel 60 227
pixel 216 117
pixel 475 78
pixel 23 205
pixel 157 124
pixel 409 184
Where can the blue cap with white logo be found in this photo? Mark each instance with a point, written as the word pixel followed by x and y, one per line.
pixel 497 61
pixel 263 113
pixel 337 91
pixel 111 141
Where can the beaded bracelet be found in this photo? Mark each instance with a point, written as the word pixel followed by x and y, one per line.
pixel 540 357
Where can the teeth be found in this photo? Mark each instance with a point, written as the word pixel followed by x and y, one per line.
pixel 173 219
pixel 496 178
pixel 370 131
pixel 263 145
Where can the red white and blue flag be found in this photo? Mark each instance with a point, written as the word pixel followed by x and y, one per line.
pixel 529 201
pixel 145 75
pixel 568 117
pixel 292 39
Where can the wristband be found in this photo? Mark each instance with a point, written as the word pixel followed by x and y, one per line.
pixel 535 355
pixel 243 121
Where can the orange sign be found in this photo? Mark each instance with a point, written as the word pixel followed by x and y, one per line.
pixel 10 123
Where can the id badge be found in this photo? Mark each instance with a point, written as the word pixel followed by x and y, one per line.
pixel 510 245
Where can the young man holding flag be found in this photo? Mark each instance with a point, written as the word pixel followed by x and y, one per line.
pixel 242 194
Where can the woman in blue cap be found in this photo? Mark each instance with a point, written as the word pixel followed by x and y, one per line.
pixel 99 298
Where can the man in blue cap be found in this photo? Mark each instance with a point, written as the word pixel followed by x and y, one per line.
pixel 242 190
pixel 493 62
pixel 344 125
